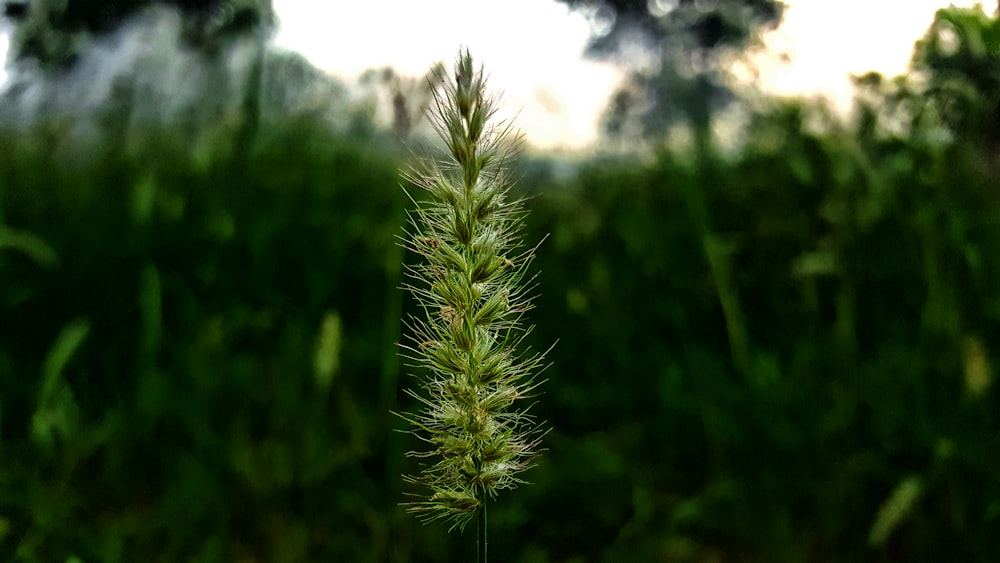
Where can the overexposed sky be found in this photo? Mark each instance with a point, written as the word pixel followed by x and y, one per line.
pixel 532 50
pixel 827 41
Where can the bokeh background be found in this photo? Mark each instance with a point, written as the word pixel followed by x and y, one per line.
pixel 776 323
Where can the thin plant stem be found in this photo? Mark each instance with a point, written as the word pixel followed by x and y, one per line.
pixel 481 540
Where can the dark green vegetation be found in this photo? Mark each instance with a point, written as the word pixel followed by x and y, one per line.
pixel 786 354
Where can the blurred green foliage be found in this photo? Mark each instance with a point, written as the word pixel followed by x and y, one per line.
pixel 781 354
pixel 174 381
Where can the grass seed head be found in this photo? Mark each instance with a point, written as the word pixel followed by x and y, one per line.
pixel 473 298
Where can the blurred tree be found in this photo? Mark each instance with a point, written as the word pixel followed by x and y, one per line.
pixel 408 97
pixel 676 49
pixel 960 56
pixel 196 63
pixel 293 87
pixel 951 95
pixel 53 32
pixel 708 23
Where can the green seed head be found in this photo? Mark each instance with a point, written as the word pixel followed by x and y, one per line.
pixel 470 286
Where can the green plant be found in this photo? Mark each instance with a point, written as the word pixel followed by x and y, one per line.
pixel 472 286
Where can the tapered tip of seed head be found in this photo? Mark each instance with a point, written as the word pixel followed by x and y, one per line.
pixel 464 70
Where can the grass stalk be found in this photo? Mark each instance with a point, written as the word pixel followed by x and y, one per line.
pixel 481 530
pixel 472 285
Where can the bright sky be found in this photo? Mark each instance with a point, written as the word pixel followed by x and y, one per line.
pixel 532 49
pixel 827 44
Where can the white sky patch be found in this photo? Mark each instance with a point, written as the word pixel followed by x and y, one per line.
pixel 531 50
pixel 829 41
pixel 4 48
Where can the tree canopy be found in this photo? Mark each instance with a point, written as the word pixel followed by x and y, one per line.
pixel 687 42
pixel 703 24
pixel 52 33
